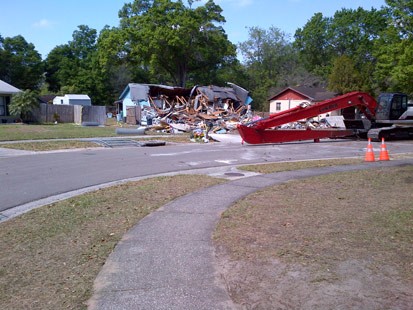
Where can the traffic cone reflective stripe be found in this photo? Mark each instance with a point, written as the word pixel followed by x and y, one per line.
pixel 369 152
pixel 384 154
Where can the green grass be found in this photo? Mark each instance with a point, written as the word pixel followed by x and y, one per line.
pixel 16 132
pixel 20 132
pixel 49 145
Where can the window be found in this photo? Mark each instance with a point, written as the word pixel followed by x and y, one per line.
pixel 278 106
pixel 2 106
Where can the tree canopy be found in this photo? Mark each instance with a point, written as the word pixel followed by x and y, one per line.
pixel 20 64
pixel 184 43
pixel 174 42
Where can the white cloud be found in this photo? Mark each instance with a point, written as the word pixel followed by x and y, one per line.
pixel 238 3
pixel 43 23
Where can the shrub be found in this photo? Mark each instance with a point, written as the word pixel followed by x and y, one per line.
pixel 22 104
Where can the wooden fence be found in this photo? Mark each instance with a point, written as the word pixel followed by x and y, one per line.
pixel 50 113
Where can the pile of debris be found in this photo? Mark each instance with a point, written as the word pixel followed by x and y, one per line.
pixel 174 109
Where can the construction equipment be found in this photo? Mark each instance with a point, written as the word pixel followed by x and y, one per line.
pixel 388 118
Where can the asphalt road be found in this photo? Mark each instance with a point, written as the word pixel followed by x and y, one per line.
pixel 28 178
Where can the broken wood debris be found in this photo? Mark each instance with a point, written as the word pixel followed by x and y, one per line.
pixel 199 110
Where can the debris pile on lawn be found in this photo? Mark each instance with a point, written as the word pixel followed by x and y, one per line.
pixel 199 110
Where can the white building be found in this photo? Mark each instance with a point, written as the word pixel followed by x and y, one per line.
pixel 73 99
pixel 292 97
pixel 6 92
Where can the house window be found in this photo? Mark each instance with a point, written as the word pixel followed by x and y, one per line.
pixel 61 101
pixel 2 106
pixel 278 106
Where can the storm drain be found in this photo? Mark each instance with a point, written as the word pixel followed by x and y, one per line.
pixel 234 174
pixel 126 143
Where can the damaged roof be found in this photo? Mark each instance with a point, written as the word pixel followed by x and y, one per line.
pixel 141 92
pixel 214 93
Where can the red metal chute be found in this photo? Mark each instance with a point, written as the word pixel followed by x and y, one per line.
pixel 266 131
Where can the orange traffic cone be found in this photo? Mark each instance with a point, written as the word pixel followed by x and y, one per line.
pixel 369 152
pixel 384 154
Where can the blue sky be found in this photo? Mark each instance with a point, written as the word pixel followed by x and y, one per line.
pixel 48 23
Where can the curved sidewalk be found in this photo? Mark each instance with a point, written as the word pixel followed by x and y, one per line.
pixel 167 260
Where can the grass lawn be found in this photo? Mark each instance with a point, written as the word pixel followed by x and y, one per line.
pixel 50 256
pixel 338 241
pixel 49 145
pixel 289 166
pixel 15 132
pixel 20 132
pixel 38 146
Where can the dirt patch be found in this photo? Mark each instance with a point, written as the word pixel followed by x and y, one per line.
pixel 342 241
pixel 295 165
pixel 350 285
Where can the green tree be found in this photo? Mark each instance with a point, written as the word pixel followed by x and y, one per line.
pixel 402 14
pixel 117 62
pixel 270 62
pixel 349 32
pixel 173 40
pixel 59 67
pixel 394 70
pixel 344 76
pixel 265 52
pixel 20 64
pixel 76 66
pixel 71 64
pixel 313 44
pixel 353 33
pixel 393 50
pixel 23 103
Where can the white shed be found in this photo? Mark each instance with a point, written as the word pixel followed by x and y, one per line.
pixel 73 99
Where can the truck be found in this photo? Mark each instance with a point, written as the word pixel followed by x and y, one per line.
pixel 388 117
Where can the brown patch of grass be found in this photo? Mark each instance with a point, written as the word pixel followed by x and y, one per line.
pixel 181 138
pixel 321 221
pixel 50 256
pixel 296 165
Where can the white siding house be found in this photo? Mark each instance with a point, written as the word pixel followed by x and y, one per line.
pixel 73 99
pixel 292 97
pixel 6 92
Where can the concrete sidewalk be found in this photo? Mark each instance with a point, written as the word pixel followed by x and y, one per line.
pixel 167 260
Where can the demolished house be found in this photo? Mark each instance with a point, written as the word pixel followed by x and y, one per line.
pixel 174 109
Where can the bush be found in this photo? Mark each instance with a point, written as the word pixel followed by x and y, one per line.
pixel 22 104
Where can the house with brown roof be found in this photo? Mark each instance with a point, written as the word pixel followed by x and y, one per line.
pixel 291 97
